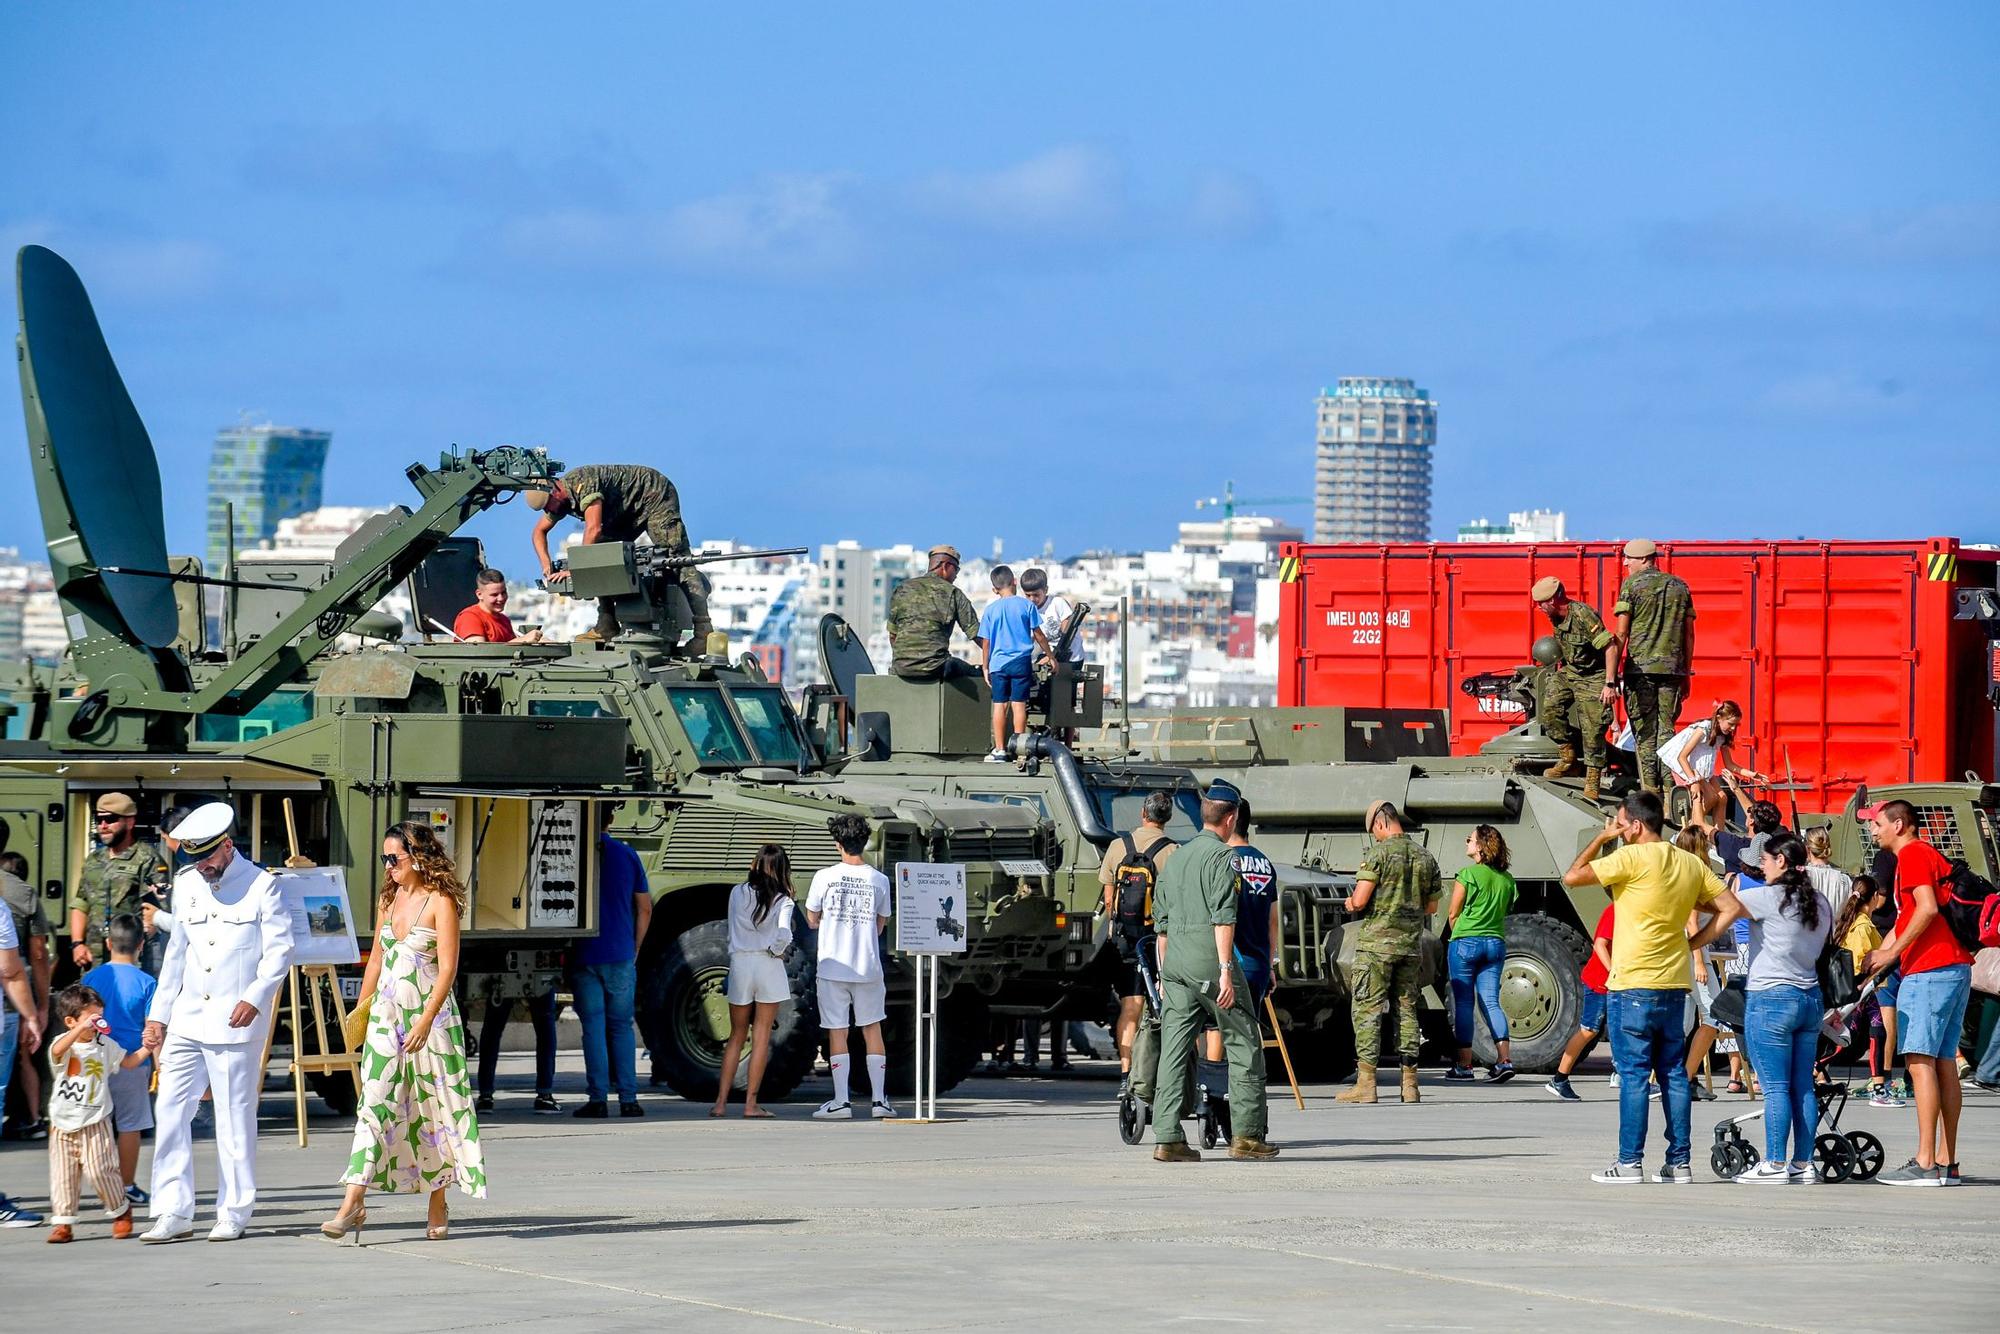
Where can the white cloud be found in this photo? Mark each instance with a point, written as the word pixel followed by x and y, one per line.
pixel 1228 205
pixel 123 268
pixel 1070 191
pixel 1826 394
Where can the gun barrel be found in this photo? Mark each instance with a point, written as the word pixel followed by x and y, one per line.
pixel 712 557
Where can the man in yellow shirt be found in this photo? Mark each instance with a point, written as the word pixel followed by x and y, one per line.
pixel 1655 885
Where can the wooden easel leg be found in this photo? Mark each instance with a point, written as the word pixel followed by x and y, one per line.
pixel 298 1066
pixel 1284 1052
pixel 340 1021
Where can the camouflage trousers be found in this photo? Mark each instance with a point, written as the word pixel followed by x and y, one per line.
pixel 1654 705
pixel 663 525
pixel 1382 981
pixel 1572 714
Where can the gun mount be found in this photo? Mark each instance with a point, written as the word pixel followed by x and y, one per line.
pixel 107 540
pixel 644 586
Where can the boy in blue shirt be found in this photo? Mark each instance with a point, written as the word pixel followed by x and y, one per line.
pixel 1011 630
pixel 127 991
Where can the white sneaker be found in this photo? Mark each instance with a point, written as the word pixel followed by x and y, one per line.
pixel 834 1111
pixel 881 1108
pixel 1612 1082
pixel 170 1227
pixel 1621 1174
pixel 1767 1174
pixel 996 757
pixel 225 1232
pixel 1677 1174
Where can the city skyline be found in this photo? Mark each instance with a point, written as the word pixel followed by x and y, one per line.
pixel 874 303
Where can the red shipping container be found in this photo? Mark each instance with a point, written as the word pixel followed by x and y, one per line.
pixel 1844 654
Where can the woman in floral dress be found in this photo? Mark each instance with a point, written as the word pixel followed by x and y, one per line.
pixel 417 1132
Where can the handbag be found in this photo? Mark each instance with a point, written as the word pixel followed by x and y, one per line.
pixel 1837 986
pixel 1727 1009
pixel 354 1029
pixel 1986 971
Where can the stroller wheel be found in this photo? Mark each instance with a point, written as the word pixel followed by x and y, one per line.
pixel 1210 1134
pixel 1721 1161
pixel 1835 1157
pixel 1869 1155
pixel 1131 1120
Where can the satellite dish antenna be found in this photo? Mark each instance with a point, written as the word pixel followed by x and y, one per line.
pixel 842 653
pixel 100 483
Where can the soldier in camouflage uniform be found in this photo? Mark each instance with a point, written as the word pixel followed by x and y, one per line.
pixel 1653 620
pixel 921 614
pixel 1397 886
pixel 1573 691
pixel 617 502
pixel 117 875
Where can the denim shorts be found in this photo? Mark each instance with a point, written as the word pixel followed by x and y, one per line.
pixel 1933 1010
pixel 1590 1014
pixel 1887 988
pixel 1012 682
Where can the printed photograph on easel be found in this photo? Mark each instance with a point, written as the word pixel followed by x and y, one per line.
pixel 322 920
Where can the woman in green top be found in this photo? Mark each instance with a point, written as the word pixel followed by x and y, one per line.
pixel 1481 897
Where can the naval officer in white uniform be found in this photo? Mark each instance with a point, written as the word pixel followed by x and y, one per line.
pixel 231 943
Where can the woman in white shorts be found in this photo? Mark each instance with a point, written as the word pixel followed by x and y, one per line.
pixel 760 936
pixel 1698 757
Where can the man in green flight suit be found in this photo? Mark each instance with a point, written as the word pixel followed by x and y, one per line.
pixel 1397 887
pixel 617 502
pixel 1194 914
pixel 1573 691
pixel 921 614
pixel 117 875
pixel 1653 621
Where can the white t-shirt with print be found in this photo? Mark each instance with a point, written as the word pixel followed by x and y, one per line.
pixel 849 900
pixel 1054 612
pixel 81 1096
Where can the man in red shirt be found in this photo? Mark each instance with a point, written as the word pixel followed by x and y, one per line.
pixel 1937 983
pixel 485 621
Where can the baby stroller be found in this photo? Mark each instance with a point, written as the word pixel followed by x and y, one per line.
pixel 1210 1105
pixel 1853 1155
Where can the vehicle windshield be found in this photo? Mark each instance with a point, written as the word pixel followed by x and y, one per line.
pixel 1118 810
pixel 768 718
pixel 705 716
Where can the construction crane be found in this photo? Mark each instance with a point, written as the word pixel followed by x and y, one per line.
pixel 1229 500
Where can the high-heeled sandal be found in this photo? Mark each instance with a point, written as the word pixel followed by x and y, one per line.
pixel 438 1231
pixel 344 1224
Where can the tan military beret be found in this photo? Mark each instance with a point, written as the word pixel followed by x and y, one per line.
pixel 116 803
pixel 949 552
pixel 1545 589
pixel 1374 809
pixel 1639 548
pixel 536 499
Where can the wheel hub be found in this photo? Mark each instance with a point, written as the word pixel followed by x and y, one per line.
pixel 1530 996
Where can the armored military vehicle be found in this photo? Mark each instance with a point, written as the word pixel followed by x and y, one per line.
pixel 1958 819
pixel 1310 775
pixel 141 707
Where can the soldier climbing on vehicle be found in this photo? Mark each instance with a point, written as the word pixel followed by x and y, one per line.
pixel 618 502
pixel 1574 694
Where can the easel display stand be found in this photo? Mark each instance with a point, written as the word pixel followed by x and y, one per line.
pixel 322 989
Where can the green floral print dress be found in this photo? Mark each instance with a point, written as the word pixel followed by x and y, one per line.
pixel 417 1131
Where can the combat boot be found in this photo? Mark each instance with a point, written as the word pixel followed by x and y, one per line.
pixel 1176 1151
pixel 1565 765
pixel 1591 778
pixel 1364 1086
pixel 1252 1149
pixel 1410 1093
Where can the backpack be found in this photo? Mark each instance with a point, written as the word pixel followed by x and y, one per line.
pixel 1966 902
pixel 1133 881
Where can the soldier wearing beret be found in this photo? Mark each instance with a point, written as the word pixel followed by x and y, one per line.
pixel 1573 691
pixel 921 615
pixel 1397 889
pixel 1653 621
pixel 120 873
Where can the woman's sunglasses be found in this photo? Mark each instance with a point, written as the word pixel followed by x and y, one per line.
pixel 390 859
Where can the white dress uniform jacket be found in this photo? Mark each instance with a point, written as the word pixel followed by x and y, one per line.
pixel 231 942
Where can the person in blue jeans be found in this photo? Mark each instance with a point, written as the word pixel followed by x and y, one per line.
pixel 1481 896
pixel 603 977
pixel 1655 886
pixel 1790 924
pixel 20 1025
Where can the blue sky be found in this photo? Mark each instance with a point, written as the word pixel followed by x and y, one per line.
pixel 929 273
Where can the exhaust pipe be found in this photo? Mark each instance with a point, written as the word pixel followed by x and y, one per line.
pixel 1040 746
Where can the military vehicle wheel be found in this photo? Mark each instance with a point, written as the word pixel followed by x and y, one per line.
pixel 1540 993
pixel 684 1014
pixel 962 1036
pixel 336 1089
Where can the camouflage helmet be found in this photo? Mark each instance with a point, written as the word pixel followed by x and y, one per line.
pixel 1545 651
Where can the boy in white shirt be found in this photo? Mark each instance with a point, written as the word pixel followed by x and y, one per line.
pixel 80 1138
pixel 848 905
pixel 1055 609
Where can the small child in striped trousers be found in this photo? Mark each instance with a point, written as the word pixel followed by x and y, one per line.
pixel 80 1138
